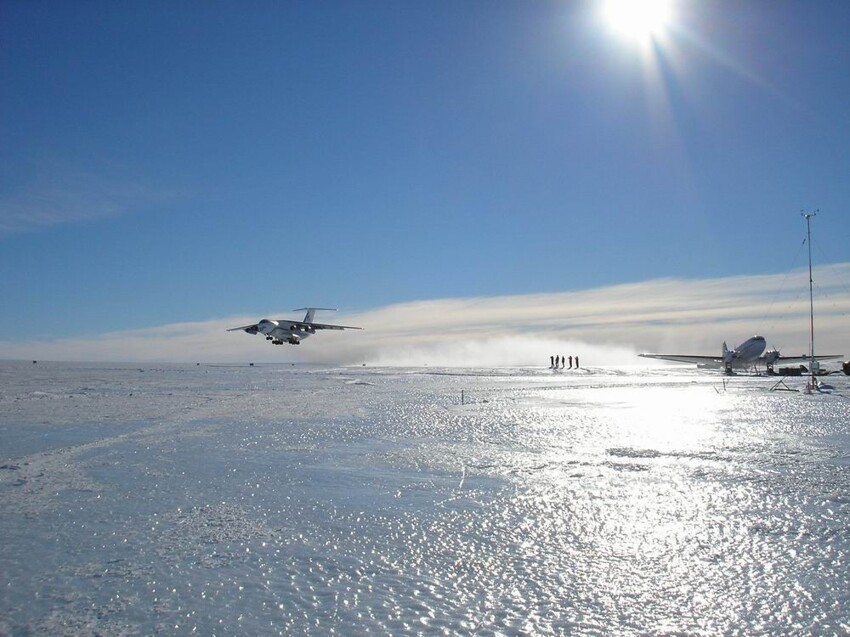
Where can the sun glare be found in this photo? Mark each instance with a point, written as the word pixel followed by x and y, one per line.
pixel 638 19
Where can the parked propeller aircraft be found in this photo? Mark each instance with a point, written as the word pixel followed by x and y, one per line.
pixel 292 332
pixel 747 355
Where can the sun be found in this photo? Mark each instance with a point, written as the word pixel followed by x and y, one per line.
pixel 641 20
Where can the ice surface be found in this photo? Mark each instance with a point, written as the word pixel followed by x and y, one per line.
pixel 313 501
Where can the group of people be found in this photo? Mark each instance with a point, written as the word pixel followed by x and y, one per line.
pixel 560 362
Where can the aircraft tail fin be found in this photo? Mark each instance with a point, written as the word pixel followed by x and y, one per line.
pixel 728 357
pixel 311 311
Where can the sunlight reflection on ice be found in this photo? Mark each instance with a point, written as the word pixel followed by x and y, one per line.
pixel 358 501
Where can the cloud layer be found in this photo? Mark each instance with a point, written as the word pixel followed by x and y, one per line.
pixel 605 326
pixel 63 195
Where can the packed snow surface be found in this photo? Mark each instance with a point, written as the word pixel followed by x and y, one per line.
pixel 294 500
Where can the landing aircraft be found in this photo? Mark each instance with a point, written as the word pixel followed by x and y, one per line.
pixel 292 332
pixel 747 355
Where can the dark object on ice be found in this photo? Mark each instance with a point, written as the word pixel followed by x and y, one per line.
pixel 35 362
pixel 251 364
pixel 792 371
pixel 845 367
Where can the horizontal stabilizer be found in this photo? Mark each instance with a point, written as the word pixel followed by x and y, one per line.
pixel 311 311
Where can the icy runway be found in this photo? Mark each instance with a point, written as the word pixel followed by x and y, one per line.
pixel 208 500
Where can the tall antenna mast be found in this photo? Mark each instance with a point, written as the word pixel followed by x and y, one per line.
pixel 812 362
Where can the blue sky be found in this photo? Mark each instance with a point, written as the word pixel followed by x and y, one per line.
pixel 164 163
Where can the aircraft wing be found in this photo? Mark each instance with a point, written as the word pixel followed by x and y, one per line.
pixel 286 324
pixel 297 325
pixel 685 358
pixel 806 359
pixel 325 326
pixel 251 329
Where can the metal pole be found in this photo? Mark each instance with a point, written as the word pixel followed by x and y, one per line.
pixel 808 216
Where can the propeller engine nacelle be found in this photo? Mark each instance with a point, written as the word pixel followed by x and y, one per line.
pixel 771 356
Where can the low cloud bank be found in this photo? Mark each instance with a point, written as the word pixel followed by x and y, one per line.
pixel 506 351
pixel 604 326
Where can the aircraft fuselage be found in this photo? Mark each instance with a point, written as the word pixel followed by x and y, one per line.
pixel 287 331
pixel 749 350
pixel 279 333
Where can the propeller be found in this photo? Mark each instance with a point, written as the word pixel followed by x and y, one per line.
pixel 772 355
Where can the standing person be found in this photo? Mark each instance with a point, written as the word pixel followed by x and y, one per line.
pixel 563 361
pixel 557 361
pixel 576 361
pixel 551 362
pixel 571 362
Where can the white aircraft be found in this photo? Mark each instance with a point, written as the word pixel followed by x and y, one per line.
pixel 292 332
pixel 747 355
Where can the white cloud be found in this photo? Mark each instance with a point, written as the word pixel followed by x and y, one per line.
pixel 605 326
pixel 62 195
